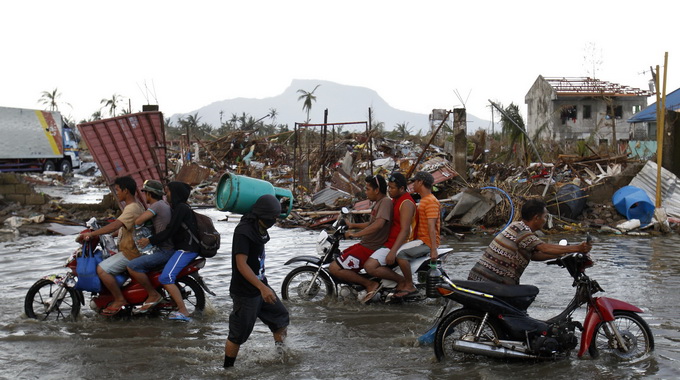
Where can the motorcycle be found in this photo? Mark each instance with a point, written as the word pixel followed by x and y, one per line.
pixel 55 296
pixel 313 281
pixel 493 320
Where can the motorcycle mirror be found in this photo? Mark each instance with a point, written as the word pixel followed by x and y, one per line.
pixel 345 211
pixel 563 242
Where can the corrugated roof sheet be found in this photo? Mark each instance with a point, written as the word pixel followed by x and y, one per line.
pixel 131 145
pixel 670 187
pixel 649 114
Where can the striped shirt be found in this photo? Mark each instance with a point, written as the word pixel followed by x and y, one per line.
pixel 505 259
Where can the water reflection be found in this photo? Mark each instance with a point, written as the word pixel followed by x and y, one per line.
pixel 331 340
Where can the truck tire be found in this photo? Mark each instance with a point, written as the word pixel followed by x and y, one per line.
pixel 65 166
pixel 49 166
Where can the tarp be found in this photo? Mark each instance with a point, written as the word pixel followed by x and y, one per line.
pixel 649 114
pixel 670 187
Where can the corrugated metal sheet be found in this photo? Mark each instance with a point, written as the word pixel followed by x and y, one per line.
pixel 131 145
pixel 328 196
pixel 670 187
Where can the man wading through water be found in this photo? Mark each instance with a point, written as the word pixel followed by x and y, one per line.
pixel 252 296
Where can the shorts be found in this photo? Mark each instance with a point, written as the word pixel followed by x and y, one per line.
pixel 245 313
pixel 354 257
pixel 115 264
pixel 147 263
pixel 413 250
pixel 177 262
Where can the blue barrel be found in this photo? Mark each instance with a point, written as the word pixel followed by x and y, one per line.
pixel 237 193
pixel 634 203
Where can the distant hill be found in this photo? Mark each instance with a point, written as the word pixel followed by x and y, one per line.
pixel 344 104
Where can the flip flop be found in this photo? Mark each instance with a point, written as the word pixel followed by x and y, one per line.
pixel 177 316
pixel 111 311
pixel 369 295
pixel 404 293
pixel 147 306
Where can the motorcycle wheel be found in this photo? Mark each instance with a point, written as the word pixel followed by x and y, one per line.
pixel 192 294
pixel 40 296
pixel 634 330
pixel 298 286
pixel 462 325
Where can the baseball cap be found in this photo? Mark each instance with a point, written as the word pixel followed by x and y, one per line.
pixel 426 177
pixel 153 186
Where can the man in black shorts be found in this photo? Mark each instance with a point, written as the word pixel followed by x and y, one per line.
pixel 252 296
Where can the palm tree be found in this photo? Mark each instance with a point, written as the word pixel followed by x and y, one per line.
pixel 272 114
pixel 513 125
pixel 402 130
pixel 112 103
pixel 49 98
pixel 308 99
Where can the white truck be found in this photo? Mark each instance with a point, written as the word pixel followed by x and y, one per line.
pixel 35 140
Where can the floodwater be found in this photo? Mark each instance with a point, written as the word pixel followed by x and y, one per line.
pixel 334 340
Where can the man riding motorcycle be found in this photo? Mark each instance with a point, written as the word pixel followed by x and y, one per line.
pixel 505 259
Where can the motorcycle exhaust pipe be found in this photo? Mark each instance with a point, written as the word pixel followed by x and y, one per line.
pixel 484 349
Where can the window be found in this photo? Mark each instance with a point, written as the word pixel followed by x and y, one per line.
pixel 618 112
pixel 568 112
pixel 586 111
pixel 636 109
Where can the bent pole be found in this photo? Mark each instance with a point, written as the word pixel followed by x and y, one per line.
pixel 502 111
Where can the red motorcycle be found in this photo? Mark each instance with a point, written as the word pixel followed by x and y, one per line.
pixel 55 296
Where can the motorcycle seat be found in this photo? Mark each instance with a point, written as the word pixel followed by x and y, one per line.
pixel 500 290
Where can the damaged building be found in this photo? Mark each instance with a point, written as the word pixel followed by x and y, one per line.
pixel 571 109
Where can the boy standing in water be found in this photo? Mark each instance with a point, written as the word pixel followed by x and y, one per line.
pixel 249 290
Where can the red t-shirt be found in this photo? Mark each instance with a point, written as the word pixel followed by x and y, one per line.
pixel 396 220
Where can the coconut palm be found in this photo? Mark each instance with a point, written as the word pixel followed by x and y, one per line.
pixel 308 99
pixel 50 99
pixel 112 103
pixel 402 130
pixel 513 126
pixel 273 113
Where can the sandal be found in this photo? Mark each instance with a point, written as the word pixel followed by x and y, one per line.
pixel 177 316
pixel 147 306
pixel 111 311
pixel 369 295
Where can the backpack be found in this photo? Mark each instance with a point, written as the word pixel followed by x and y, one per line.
pixel 208 238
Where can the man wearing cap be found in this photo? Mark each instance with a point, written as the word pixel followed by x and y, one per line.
pixel 427 219
pixel 160 213
pixel 381 261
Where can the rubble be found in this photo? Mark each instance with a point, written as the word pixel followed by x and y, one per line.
pixel 484 198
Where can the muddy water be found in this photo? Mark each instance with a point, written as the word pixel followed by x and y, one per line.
pixel 343 340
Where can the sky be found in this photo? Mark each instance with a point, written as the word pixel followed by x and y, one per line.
pixel 417 55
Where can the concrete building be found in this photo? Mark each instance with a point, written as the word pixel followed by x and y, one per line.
pixel 572 109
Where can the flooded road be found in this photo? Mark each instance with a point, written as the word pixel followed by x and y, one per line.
pixel 334 340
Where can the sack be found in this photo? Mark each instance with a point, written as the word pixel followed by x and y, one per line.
pixel 86 268
pixel 208 238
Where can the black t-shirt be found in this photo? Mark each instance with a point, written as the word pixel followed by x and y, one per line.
pixel 242 244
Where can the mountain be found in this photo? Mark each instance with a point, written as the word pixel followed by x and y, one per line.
pixel 344 104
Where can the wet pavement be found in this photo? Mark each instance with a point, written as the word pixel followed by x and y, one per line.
pixel 336 339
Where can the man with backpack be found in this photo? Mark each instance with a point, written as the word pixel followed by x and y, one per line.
pixel 180 229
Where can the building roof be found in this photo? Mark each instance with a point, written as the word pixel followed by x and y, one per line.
pixel 584 86
pixel 649 114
